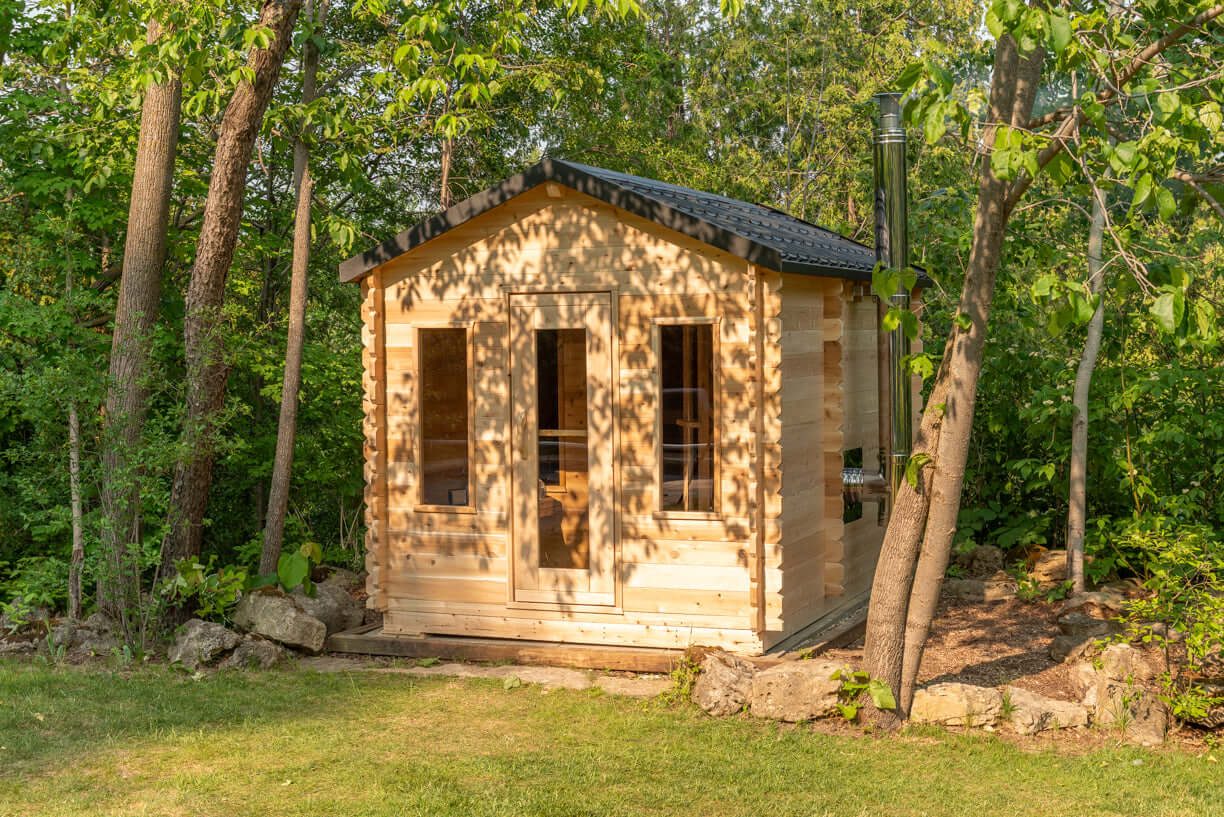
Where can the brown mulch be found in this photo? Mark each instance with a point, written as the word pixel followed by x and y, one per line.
pixel 989 644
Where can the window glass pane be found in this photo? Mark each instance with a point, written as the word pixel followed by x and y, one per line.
pixel 564 520
pixel 444 416
pixel 686 371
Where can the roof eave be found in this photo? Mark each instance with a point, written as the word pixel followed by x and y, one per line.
pixel 651 209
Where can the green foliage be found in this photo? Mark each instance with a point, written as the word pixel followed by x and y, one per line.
pixel 37 581
pixel 293 570
pixel 684 678
pixel 212 591
pixel 853 685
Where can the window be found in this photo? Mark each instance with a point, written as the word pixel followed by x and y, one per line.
pixel 686 405
pixel 444 416
pixel 564 460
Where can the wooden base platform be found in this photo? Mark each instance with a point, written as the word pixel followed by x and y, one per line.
pixel 370 640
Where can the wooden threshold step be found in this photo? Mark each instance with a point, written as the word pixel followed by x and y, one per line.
pixel 370 640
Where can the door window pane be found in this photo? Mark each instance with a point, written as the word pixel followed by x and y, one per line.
pixel 444 416
pixel 686 372
pixel 561 406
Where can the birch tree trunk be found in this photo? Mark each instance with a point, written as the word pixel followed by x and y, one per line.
pixel 206 369
pixel 1078 495
pixel 144 255
pixel 286 430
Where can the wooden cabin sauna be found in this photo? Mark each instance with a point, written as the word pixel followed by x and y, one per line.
pixel 601 409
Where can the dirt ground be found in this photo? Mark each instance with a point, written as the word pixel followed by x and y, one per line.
pixel 988 644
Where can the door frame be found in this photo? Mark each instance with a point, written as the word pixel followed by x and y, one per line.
pixel 597 602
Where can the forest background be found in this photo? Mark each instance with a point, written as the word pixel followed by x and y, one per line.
pixel 417 105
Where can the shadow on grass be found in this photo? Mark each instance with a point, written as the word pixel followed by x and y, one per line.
pixel 50 713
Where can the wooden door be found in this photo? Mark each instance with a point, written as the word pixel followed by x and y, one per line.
pixel 562 422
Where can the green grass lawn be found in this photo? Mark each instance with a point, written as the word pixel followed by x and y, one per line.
pixel 293 742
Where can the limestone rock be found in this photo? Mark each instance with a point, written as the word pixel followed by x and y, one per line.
pixel 255 653
pixel 331 605
pixel 981 590
pixel 724 685
pixel 955 704
pixel 198 642
pixel 1081 625
pixel 1050 569
pixel 981 562
pixel 274 615
pixel 1072 647
pixel 1122 662
pixel 1032 713
pixel 343 578
pixel 796 691
pixel 1095 605
pixel 1139 714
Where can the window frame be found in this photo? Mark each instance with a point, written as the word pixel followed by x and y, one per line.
pixel 418 419
pixel 715 324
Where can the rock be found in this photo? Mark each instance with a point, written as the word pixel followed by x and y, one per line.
pixel 796 691
pixel 274 615
pixel 633 687
pixel 979 590
pixel 59 635
pixel 981 562
pixel 954 704
pixel 342 577
pixel 99 622
pixel 255 653
pixel 1122 662
pixel 1211 665
pixel 1050 569
pixel 1079 625
pixel 97 643
pixel 17 647
pixel 331 605
pixel 198 642
pixel 1095 605
pixel 370 616
pixel 724 685
pixel 1032 713
pixel 1139 714
pixel 1072 647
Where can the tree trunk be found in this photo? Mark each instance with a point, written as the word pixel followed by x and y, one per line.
pixel 950 407
pixel 78 530
pixel 206 369
pixel 1077 501
pixel 1013 104
pixel 286 430
pixel 144 255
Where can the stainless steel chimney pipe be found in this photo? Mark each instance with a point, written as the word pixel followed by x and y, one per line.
pixel 892 249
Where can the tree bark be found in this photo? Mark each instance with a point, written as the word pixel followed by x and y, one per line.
pixel 144 256
pixel 1078 497
pixel 1013 105
pixel 206 369
pixel 286 430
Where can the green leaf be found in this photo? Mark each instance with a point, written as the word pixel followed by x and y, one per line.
pixel 1143 189
pixel 312 551
pixel 1165 203
pixel 1168 310
pixel 915 465
pixel 964 321
pixel 292 569
pixel 881 695
pixel 1060 31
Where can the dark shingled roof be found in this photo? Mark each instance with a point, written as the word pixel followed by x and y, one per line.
pixel 762 235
